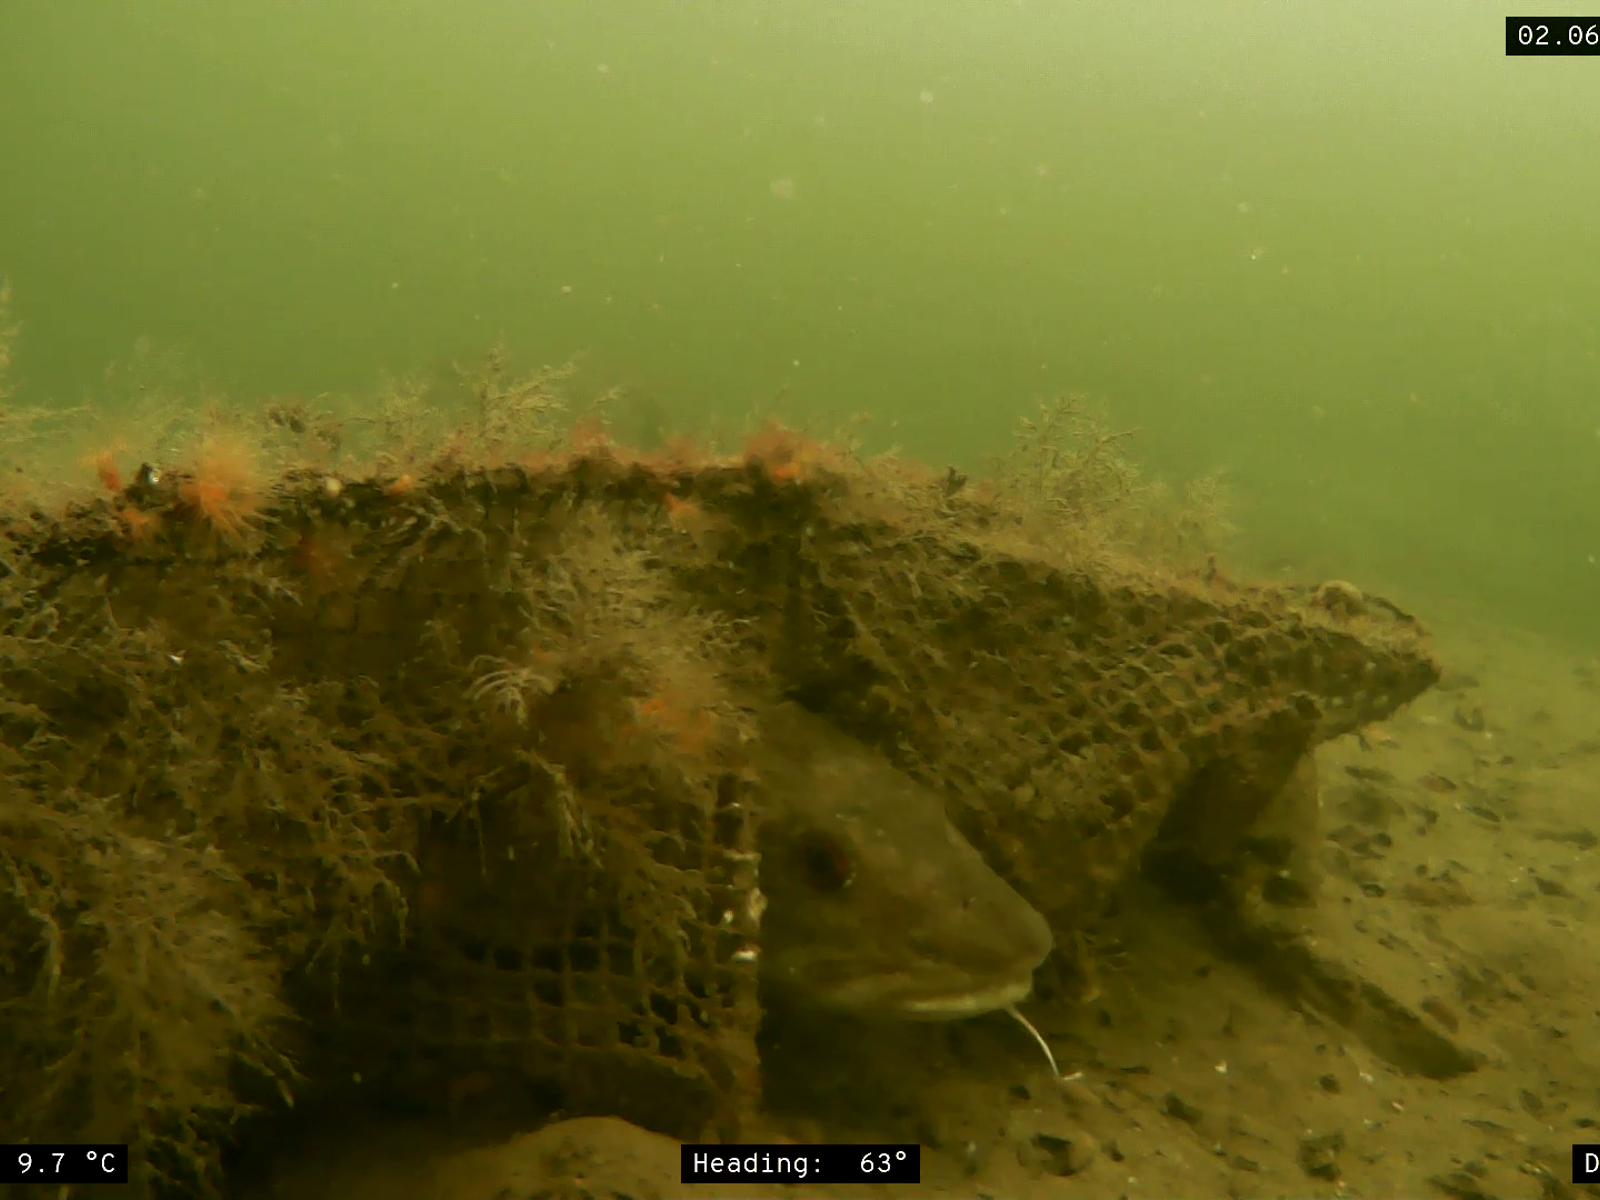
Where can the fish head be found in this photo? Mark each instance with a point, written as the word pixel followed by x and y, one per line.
pixel 876 904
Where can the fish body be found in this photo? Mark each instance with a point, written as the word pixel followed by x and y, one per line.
pixel 876 904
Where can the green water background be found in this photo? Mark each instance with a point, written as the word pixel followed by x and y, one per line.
pixel 1348 252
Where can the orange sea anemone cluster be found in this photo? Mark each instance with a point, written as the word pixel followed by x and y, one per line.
pixel 787 456
pixel 224 491
pixel 106 469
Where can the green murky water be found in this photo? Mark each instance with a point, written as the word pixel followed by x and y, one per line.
pixel 1345 252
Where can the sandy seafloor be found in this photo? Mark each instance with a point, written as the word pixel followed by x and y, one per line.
pixel 1462 848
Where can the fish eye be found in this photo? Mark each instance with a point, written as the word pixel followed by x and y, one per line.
pixel 825 862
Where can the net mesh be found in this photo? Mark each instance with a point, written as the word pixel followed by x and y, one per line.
pixel 426 782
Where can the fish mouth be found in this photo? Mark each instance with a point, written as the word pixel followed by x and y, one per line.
pixel 922 977
pixel 930 996
pixel 959 1005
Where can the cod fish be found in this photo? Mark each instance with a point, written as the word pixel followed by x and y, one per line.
pixel 875 902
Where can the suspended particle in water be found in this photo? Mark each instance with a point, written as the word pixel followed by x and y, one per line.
pixel 926 95
pixel 783 189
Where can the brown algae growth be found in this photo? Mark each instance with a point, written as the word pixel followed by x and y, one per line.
pixel 417 750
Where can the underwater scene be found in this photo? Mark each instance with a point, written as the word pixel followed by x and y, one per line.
pixel 1011 584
